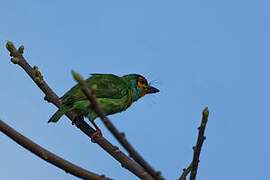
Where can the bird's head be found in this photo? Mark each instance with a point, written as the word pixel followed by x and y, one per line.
pixel 139 86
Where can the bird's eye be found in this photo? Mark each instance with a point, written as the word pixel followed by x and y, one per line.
pixel 141 83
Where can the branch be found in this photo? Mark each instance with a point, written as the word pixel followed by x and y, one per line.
pixel 185 173
pixel 198 147
pixel 47 155
pixel 50 96
pixel 193 167
pixel 118 135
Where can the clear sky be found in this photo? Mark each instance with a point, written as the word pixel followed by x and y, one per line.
pixel 198 53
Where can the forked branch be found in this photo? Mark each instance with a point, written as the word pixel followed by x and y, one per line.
pixel 50 96
pixel 118 135
pixel 193 167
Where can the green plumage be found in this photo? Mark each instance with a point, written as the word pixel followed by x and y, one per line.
pixel 113 93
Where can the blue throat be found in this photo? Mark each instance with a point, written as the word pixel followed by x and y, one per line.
pixel 136 92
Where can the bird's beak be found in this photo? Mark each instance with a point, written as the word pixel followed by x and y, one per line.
pixel 151 90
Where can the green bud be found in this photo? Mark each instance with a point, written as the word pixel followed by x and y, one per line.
pixel 206 112
pixel 10 46
pixel 15 60
pixel 76 76
pixel 38 75
pixel 21 49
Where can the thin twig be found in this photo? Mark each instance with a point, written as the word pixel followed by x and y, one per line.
pixel 119 136
pixel 50 96
pixel 47 155
pixel 193 167
pixel 198 147
pixel 185 173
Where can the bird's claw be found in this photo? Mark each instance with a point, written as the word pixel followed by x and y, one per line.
pixel 95 135
pixel 78 118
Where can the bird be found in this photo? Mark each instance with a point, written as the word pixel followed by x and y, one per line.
pixel 114 94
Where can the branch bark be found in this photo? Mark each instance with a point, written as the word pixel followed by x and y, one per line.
pixel 49 156
pixel 118 135
pixel 50 96
pixel 185 173
pixel 193 167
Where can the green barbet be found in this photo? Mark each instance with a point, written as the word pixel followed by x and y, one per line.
pixel 113 93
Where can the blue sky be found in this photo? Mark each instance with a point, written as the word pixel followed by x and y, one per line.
pixel 198 53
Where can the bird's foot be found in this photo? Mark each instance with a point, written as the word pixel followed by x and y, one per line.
pixel 95 135
pixel 77 118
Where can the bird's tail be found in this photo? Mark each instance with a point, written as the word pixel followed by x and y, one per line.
pixel 58 114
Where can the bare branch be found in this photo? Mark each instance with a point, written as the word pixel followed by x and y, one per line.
pixel 50 96
pixel 130 149
pixel 118 135
pixel 47 155
pixel 198 147
pixel 193 167
pixel 185 173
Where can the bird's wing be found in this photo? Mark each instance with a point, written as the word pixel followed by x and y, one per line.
pixel 102 85
pixel 108 86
